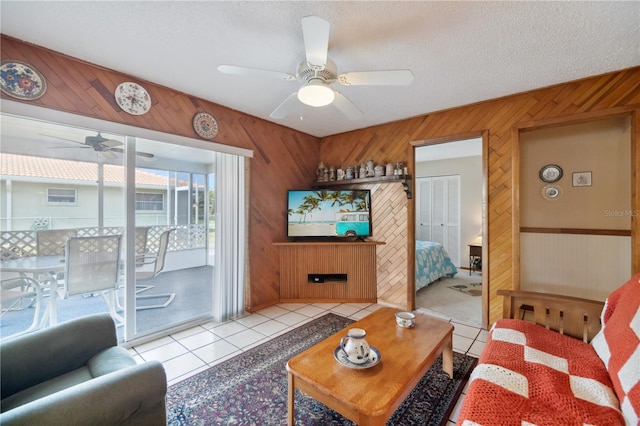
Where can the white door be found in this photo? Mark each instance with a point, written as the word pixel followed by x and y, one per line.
pixel 438 213
pixel 423 209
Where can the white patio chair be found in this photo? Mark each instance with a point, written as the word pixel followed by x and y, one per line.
pixel 142 235
pixel 18 293
pixel 156 261
pixel 92 265
pixel 51 242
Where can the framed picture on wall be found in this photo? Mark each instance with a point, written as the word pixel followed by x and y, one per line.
pixel 582 179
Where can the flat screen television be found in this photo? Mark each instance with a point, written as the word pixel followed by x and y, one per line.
pixel 325 213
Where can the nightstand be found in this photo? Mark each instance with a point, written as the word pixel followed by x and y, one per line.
pixel 475 258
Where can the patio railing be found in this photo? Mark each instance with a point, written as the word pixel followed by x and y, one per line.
pixel 15 244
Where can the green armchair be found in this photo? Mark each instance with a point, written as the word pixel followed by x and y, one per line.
pixel 76 374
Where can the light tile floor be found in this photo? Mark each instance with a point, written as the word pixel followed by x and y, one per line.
pixel 191 351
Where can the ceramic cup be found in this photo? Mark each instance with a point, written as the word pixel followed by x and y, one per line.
pixel 355 346
pixel 405 319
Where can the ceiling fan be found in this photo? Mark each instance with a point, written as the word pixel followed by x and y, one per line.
pixel 317 73
pixel 101 144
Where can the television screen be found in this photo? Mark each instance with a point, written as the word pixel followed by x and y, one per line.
pixel 329 213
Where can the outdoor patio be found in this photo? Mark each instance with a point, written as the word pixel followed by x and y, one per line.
pixel 193 288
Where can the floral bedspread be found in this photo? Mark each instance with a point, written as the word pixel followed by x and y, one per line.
pixel 432 263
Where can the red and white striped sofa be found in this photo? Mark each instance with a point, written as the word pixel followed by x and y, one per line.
pixel 531 375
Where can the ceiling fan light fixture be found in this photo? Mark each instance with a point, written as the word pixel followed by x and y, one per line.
pixel 316 94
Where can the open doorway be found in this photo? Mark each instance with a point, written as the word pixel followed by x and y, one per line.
pixel 448 230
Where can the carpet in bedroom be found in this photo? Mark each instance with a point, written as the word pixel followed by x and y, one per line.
pixel 472 289
pixel 439 300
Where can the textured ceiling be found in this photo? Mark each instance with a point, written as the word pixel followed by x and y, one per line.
pixel 459 52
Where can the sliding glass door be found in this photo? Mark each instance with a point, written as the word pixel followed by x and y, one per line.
pixel 159 198
pixel 174 274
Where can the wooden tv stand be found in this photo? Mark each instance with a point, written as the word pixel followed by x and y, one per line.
pixel 328 271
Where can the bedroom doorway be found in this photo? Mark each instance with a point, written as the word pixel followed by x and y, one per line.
pixel 449 187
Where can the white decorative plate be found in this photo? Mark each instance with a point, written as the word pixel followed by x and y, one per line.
pixel 133 98
pixel 551 192
pixel 205 125
pixel 550 173
pixel 21 81
pixel 341 357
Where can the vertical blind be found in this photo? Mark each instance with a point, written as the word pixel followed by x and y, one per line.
pixel 230 237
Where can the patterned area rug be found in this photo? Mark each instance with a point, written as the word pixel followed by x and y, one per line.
pixel 251 388
pixel 472 289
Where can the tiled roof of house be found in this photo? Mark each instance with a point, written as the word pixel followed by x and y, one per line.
pixel 12 165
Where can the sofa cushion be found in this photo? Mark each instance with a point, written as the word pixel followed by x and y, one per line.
pixel 618 345
pixel 46 388
pixel 109 360
pixel 530 375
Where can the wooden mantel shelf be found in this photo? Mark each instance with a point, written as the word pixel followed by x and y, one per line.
pixel 405 180
pixel 329 243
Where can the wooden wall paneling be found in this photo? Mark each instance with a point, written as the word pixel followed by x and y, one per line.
pixel 283 158
pixel 635 188
pixel 485 251
pixel 389 211
pixel 498 117
pixel 283 162
pixel 515 161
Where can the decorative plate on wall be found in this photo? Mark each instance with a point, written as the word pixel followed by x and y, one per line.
pixel 21 81
pixel 550 173
pixel 551 192
pixel 205 125
pixel 133 98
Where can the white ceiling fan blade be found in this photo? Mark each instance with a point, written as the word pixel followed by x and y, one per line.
pixel 347 107
pixel 377 78
pixel 286 107
pixel 108 154
pixel 111 143
pixel 315 31
pixel 232 69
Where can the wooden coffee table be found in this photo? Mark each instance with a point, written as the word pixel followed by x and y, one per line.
pixel 370 396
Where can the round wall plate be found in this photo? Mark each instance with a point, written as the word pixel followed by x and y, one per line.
pixel 205 125
pixel 551 192
pixel 21 81
pixel 550 173
pixel 133 98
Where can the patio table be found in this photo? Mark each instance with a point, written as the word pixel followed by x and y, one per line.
pixel 38 266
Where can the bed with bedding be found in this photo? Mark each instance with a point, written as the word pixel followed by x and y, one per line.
pixel 432 263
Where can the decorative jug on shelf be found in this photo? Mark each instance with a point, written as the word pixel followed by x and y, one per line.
pixel 349 173
pixel 389 171
pixel 320 172
pixel 355 346
pixel 370 168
